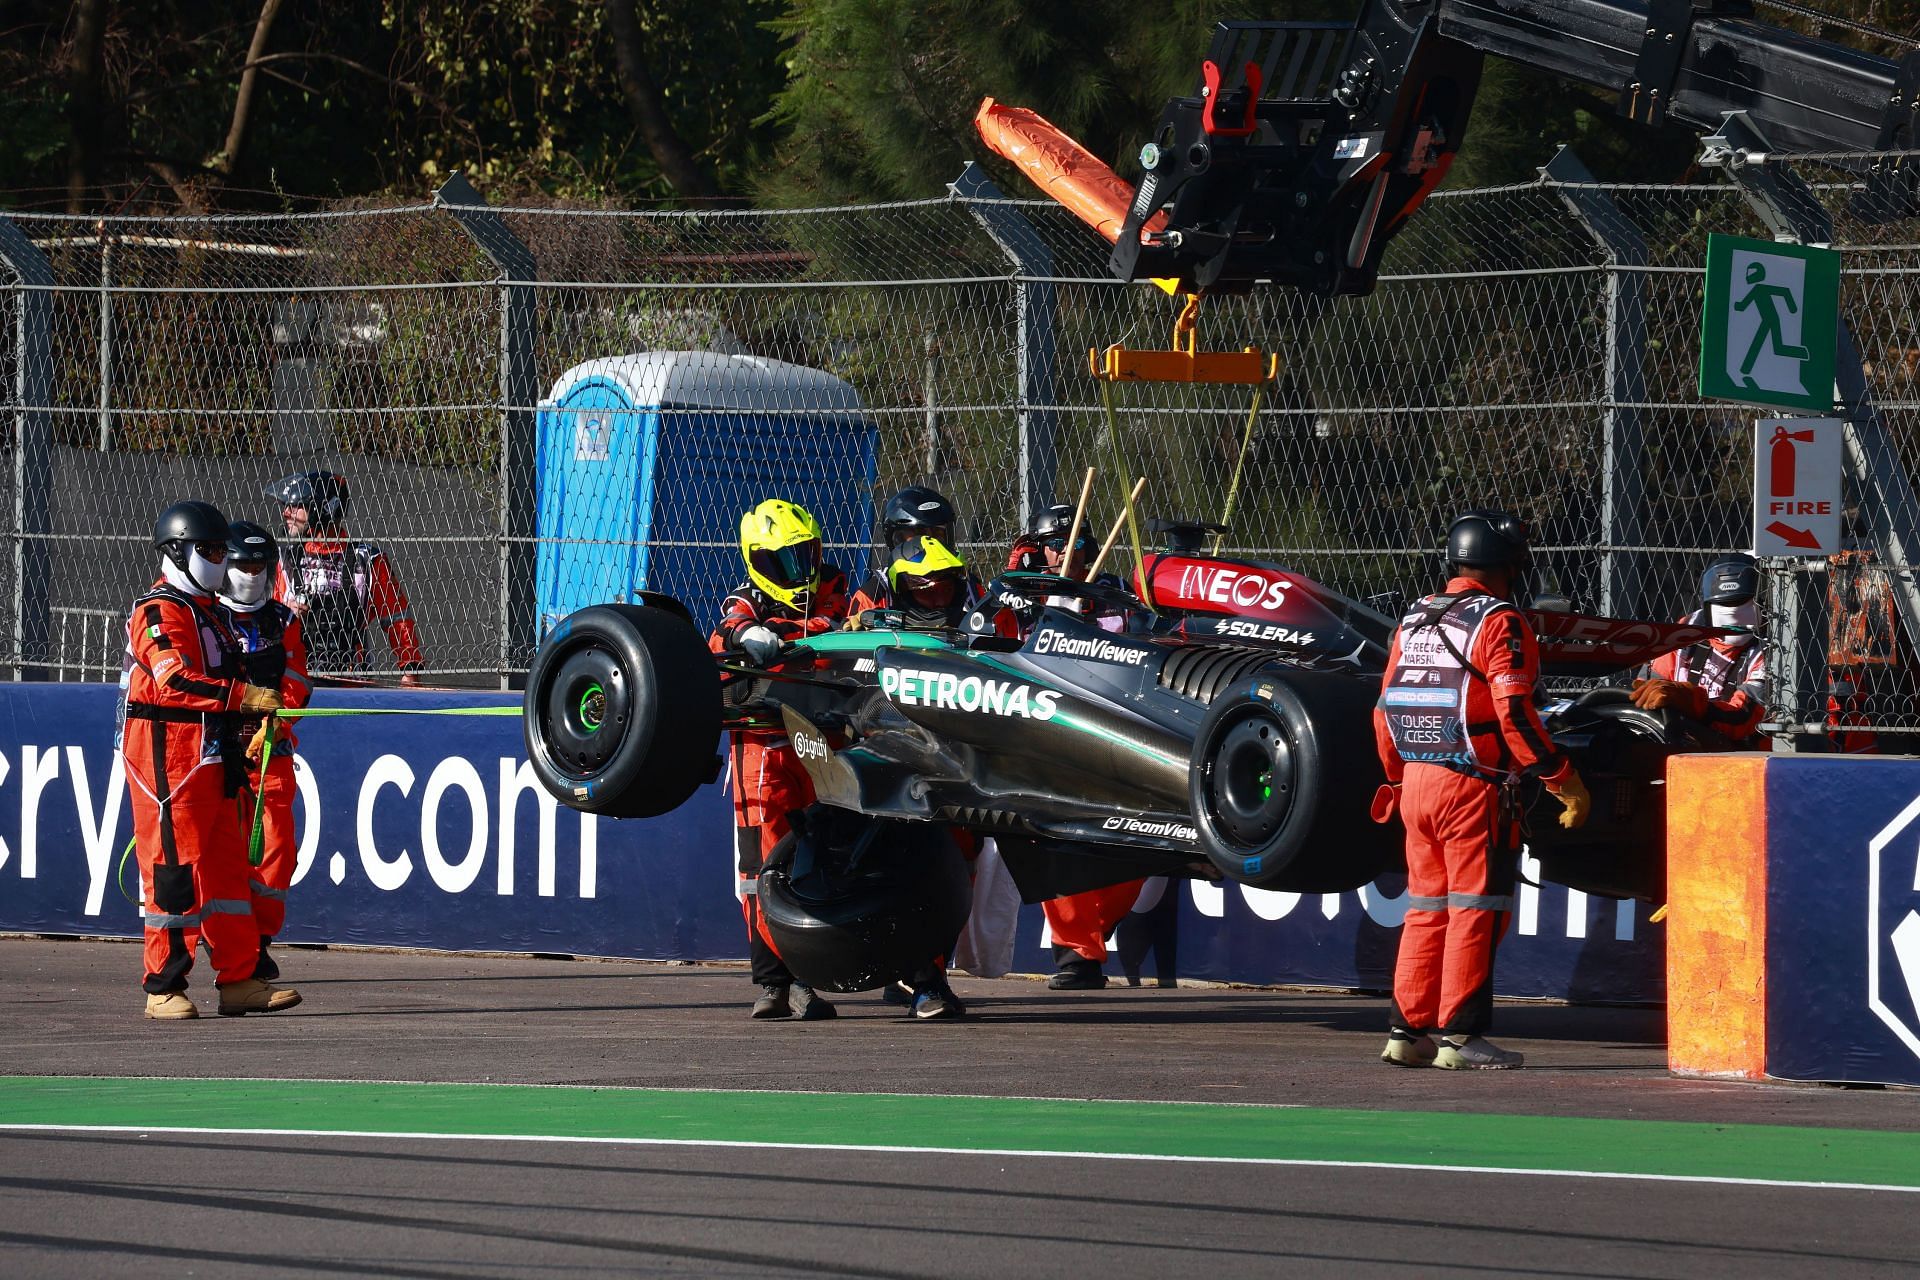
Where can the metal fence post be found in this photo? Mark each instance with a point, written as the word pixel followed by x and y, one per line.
pixel 518 397
pixel 1884 491
pixel 1037 301
pixel 106 337
pixel 1623 505
pixel 33 453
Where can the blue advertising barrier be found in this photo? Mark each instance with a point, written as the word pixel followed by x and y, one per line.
pixel 429 831
pixel 1843 919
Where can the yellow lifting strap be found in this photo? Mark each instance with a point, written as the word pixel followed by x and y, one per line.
pixel 1184 363
pixel 1247 367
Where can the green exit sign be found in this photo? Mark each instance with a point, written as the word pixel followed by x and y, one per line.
pixel 1769 326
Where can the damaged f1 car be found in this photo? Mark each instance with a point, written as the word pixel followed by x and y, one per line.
pixel 1216 723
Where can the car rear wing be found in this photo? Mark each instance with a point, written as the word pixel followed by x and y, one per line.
pixel 1578 644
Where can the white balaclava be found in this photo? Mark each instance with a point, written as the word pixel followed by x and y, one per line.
pixel 1743 616
pixel 247 587
pixel 201 577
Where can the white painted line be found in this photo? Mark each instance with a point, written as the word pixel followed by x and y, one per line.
pixel 397 1135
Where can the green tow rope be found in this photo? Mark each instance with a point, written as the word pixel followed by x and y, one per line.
pixel 1239 465
pixel 256 844
pixel 1126 492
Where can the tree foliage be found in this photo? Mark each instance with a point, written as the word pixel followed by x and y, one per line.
pixel 879 97
pixel 118 105
pixel 364 97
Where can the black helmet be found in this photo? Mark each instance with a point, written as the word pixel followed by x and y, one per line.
pixel 914 510
pixel 1489 540
pixel 248 543
pixel 1057 518
pixel 1734 580
pixel 322 493
pixel 1048 529
pixel 185 523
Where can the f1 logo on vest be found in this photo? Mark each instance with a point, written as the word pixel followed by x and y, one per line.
pixel 1893 936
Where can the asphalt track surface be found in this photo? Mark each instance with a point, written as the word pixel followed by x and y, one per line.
pixel 459 1116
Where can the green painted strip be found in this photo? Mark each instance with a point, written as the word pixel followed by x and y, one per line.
pixel 1170 1129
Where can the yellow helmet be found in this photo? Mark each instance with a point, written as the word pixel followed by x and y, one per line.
pixel 781 545
pixel 921 562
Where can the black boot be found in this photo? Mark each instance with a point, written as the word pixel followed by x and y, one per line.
pixel 1077 973
pixel 810 1006
pixel 773 1002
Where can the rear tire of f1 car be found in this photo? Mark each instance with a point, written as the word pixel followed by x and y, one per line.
pixel 852 903
pixel 1282 775
pixel 622 713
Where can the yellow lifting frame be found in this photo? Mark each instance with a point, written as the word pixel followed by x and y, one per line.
pixel 1184 363
pixel 1246 367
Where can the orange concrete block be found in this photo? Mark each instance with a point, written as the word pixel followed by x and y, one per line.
pixel 1717 922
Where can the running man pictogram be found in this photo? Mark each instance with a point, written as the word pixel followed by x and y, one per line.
pixel 1770 336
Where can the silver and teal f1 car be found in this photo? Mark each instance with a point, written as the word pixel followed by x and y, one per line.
pixel 1215 723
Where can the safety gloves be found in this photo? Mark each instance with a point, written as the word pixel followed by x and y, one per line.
pixel 759 644
pixel 1656 695
pixel 257 748
pixel 256 698
pixel 1575 803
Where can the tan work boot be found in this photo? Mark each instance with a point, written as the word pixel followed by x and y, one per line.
pixel 251 995
pixel 1405 1049
pixel 170 1005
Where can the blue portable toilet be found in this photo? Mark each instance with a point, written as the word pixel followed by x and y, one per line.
pixel 648 461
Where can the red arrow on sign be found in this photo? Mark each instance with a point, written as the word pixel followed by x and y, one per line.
pixel 1793 537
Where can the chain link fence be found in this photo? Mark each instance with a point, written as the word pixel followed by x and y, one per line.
pixel 1533 347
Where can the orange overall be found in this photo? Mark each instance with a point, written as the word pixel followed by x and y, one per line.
pixel 183 758
pixel 769 781
pixel 274 655
pixel 1726 683
pixel 1457 726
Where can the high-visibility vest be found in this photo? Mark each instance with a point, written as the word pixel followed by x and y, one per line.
pixel 1429 697
pixel 1717 671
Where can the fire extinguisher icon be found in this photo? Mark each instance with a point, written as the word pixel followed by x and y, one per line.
pixel 1782 466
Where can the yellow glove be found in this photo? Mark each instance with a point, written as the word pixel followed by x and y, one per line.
pixel 1572 794
pixel 855 621
pixel 257 698
pixel 258 746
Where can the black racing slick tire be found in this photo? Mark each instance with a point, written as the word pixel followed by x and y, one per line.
pixel 1282 775
pixel 622 714
pixel 852 903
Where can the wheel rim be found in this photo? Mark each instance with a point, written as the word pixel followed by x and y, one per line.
pixel 1251 784
pixel 585 710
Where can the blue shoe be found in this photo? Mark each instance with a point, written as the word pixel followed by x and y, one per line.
pixel 937 1002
